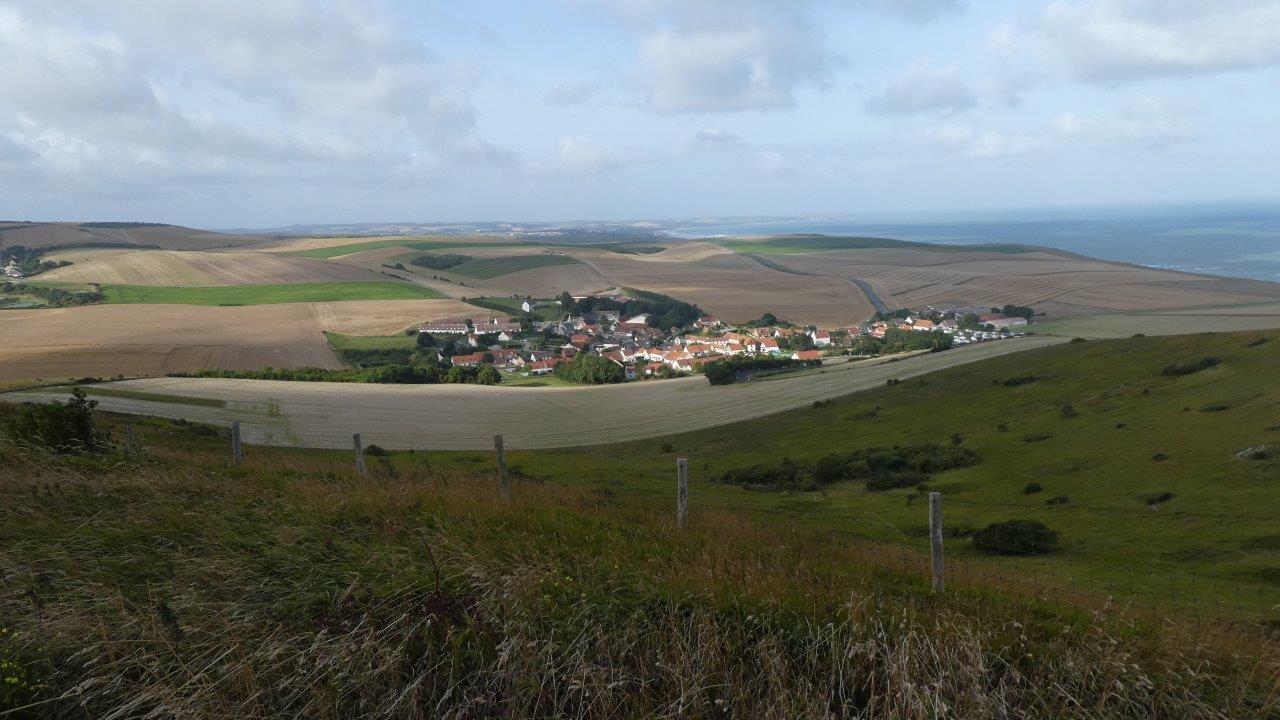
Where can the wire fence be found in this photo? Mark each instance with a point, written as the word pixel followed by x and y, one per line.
pixel 984 543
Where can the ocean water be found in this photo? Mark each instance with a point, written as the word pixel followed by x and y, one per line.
pixel 1233 241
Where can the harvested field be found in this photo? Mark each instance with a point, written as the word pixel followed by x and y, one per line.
pixel 1063 284
pixel 189 269
pixel 736 288
pixel 1186 321
pixel 108 340
pixel 467 416
pixel 266 294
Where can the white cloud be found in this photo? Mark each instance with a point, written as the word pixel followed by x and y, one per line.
pixel 774 162
pixel 578 155
pixel 925 88
pixel 711 140
pixel 969 142
pixel 1149 124
pixel 1110 41
pixel 571 93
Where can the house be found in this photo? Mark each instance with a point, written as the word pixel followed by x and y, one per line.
pixel 580 341
pixel 924 324
pixel 1008 322
pixel 12 270
pixel 768 345
pixel 821 338
pixel 471 360
pixel 706 322
pixel 640 320
pixel 496 325
pixel 445 327
pixel 806 355
pixel 527 306
pixel 505 336
pixel 543 367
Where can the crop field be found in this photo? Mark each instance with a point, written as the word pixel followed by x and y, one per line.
pixel 266 294
pixel 489 268
pixel 333 251
pixel 133 340
pixel 1262 316
pixel 190 268
pixel 468 416
pixel 792 244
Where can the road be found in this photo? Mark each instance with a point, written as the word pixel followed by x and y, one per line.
pixel 872 296
pixel 466 417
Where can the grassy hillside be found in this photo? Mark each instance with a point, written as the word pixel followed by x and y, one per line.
pixel 267 294
pixel 789 244
pixel 339 250
pixel 486 268
pixel 170 584
pixel 1099 424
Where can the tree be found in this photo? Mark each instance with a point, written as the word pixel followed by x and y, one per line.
pixel 720 373
pixel 488 375
pixel 1016 537
pixel 64 427
pixel 590 370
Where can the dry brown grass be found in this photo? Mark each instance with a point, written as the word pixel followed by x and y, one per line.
pixel 132 340
pixel 197 269
pixel 291 589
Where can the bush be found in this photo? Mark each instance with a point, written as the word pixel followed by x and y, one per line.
pixel 1191 366
pixel 880 468
pixel 1160 457
pixel 1020 380
pixel 375 450
pixel 1159 498
pixel 63 427
pixel 1068 410
pixel 590 370
pixel 1016 537
pixel 1058 500
pixel 1032 488
pixel 1259 341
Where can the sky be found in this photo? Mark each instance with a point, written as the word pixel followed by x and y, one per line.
pixel 258 114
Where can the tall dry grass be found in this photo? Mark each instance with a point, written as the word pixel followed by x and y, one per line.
pixel 179 588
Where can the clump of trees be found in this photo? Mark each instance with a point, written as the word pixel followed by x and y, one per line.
pixel 419 371
pixel 664 312
pixel 56 297
pixel 63 427
pixel 28 259
pixel 880 468
pixel 1015 311
pixel 1016 537
pixel 590 370
pixel 725 372
pixel 1191 366
pixel 440 262
pixel 896 341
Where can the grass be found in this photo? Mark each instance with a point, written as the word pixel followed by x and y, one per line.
pixel 267 294
pixel 791 244
pixel 399 341
pixel 339 250
pixel 173 584
pixel 158 397
pixel 486 268
pixel 1191 553
pixel 543 309
pixel 536 381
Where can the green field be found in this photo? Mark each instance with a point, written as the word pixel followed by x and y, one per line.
pixel 791 244
pixel 1214 547
pixel 267 294
pixel 399 341
pixel 339 250
pixel 159 397
pixel 486 268
pixel 543 309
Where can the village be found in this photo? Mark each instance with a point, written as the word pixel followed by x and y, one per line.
pixel 524 347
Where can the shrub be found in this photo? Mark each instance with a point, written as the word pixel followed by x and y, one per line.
pixel 1216 407
pixel 892 381
pixel 1077 340
pixel 1032 488
pixel 1020 380
pixel 1159 498
pixel 1191 366
pixel 1259 341
pixel 1068 410
pixel 1058 500
pixel 880 468
pixel 64 427
pixel 1035 437
pixel 1159 457
pixel 375 450
pixel 1016 537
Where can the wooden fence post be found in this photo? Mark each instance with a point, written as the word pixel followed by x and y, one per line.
pixel 237 451
pixel 130 444
pixel 359 455
pixel 935 542
pixel 504 482
pixel 682 492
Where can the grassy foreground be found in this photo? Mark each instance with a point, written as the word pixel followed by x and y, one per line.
pixel 173 585
pixel 267 294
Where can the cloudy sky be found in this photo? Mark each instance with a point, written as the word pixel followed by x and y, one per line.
pixel 237 113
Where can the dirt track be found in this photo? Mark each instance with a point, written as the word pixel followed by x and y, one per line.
pixel 467 416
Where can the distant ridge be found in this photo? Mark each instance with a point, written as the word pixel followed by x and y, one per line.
pixel 116 234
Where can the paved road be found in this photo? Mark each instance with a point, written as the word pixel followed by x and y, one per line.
pixel 467 417
pixel 865 286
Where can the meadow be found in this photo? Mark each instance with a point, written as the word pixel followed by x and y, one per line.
pixel 170 583
pixel 488 268
pixel 267 294
pixel 791 244
pixel 333 251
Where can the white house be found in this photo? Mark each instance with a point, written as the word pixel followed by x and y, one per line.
pixel 527 306
pixel 821 338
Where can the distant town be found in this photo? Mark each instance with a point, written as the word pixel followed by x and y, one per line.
pixel 528 343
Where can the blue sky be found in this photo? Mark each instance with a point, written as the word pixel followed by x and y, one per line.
pixel 240 113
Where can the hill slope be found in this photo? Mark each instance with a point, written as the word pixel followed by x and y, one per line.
pixel 116 234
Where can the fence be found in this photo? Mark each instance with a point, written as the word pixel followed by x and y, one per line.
pixel 959 541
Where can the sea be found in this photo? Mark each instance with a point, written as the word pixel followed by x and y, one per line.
pixel 1229 240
